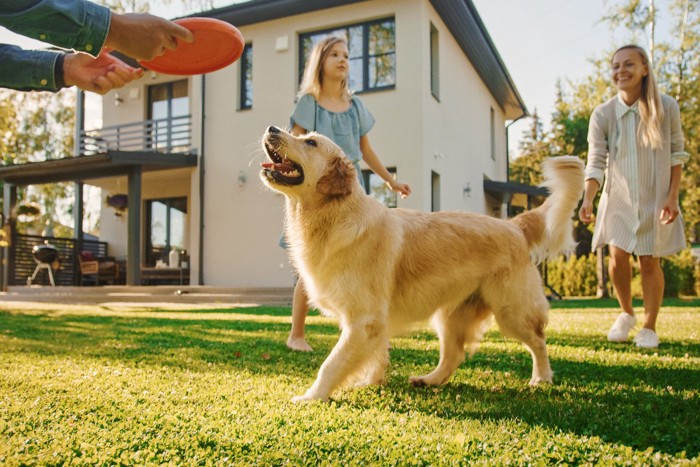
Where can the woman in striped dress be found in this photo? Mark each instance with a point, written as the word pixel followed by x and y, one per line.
pixel 635 148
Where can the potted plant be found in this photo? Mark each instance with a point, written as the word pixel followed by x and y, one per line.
pixel 119 202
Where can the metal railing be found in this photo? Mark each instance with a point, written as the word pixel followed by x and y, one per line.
pixel 165 135
pixel 68 272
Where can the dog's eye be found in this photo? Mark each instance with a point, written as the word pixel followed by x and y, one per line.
pixel 311 142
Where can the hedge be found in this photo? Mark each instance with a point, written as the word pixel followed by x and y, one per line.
pixel 576 276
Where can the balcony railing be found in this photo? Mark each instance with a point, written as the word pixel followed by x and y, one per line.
pixel 165 135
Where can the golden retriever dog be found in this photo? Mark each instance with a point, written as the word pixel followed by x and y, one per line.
pixel 381 271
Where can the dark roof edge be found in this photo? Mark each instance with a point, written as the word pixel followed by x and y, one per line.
pixel 256 11
pixel 497 56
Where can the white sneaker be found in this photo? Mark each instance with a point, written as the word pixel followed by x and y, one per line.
pixel 622 327
pixel 647 339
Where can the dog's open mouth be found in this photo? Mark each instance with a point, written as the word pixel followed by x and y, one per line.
pixel 281 169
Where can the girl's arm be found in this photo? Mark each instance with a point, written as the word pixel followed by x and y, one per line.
pixel 372 160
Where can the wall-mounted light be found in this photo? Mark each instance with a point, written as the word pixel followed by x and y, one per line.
pixel 242 178
pixel 467 190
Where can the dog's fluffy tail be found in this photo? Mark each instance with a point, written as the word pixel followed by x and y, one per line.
pixel 548 229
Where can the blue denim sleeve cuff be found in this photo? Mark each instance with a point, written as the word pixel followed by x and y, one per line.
pixel 94 33
pixel 28 70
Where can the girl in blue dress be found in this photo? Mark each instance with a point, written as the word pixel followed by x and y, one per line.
pixel 327 106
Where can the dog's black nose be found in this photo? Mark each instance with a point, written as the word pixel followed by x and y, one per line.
pixel 273 130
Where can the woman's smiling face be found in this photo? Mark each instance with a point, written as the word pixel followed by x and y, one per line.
pixel 628 70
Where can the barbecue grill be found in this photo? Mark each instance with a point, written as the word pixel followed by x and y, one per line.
pixel 45 256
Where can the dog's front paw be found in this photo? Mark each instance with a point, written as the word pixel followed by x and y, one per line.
pixel 417 381
pixel 308 398
pixel 538 380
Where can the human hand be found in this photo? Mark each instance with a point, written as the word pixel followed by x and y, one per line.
pixel 143 36
pixel 586 212
pixel 401 188
pixel 100 75
pixel 670 210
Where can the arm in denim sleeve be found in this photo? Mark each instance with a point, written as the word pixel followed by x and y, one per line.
pixel 28 70
pixel 72 24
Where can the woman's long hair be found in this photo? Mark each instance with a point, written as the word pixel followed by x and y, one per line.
pixel 651 111
pixel 313 72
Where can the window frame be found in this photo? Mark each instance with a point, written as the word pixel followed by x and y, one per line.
pixel 434 62
pixel 366 25
pixel 151 255
pixel 493 133
pixel 244 62
pixel 367 174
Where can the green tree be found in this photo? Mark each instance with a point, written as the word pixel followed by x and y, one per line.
pixel 534 148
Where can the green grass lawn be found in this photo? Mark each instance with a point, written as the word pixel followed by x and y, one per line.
pixel 91 385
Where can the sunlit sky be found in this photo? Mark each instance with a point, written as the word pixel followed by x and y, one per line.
pixel 540 41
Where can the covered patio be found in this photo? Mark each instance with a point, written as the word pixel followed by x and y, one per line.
pixel 100 155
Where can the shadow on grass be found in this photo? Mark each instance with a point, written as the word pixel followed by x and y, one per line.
pixel 630 405
pixel 257 346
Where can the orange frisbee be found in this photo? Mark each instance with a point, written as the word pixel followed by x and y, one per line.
pixel 216 45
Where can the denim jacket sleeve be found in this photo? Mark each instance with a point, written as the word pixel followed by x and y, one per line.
pixel 71 24
pixel 28 70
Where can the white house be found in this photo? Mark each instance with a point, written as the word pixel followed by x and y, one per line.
pixel 426 69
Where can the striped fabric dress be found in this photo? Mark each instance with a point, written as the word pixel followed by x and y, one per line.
pixel 631 207
pixel 635 179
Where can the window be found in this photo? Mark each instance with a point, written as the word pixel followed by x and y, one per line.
pixel 372 49
pixel 493 134
pixel 377 188
pixel 166 224
pixel 434 191
pixel 168 108
pixel 434 63
pixel 246 79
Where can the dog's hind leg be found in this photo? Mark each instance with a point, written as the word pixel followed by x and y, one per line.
pixel 359 342
pixel 455 328
pixel 522 314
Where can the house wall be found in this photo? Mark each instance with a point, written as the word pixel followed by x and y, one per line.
pixel 242 221
pixel 457 126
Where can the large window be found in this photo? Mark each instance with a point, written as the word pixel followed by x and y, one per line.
pixel 246 80
pixel 168 105
pixel 377 188
pixel 165 228
pixel 372 49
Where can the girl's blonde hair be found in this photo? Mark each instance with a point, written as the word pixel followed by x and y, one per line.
pixel 651 111
pixel 312 80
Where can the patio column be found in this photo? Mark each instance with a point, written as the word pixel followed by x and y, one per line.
pixel 78 214
pixel 133 263
pixel 10 220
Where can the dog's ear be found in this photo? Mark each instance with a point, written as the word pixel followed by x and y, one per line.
pixel 339 178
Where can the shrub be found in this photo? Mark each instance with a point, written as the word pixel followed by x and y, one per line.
pixel 576 277
pixel 680 272
pixel 573 276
